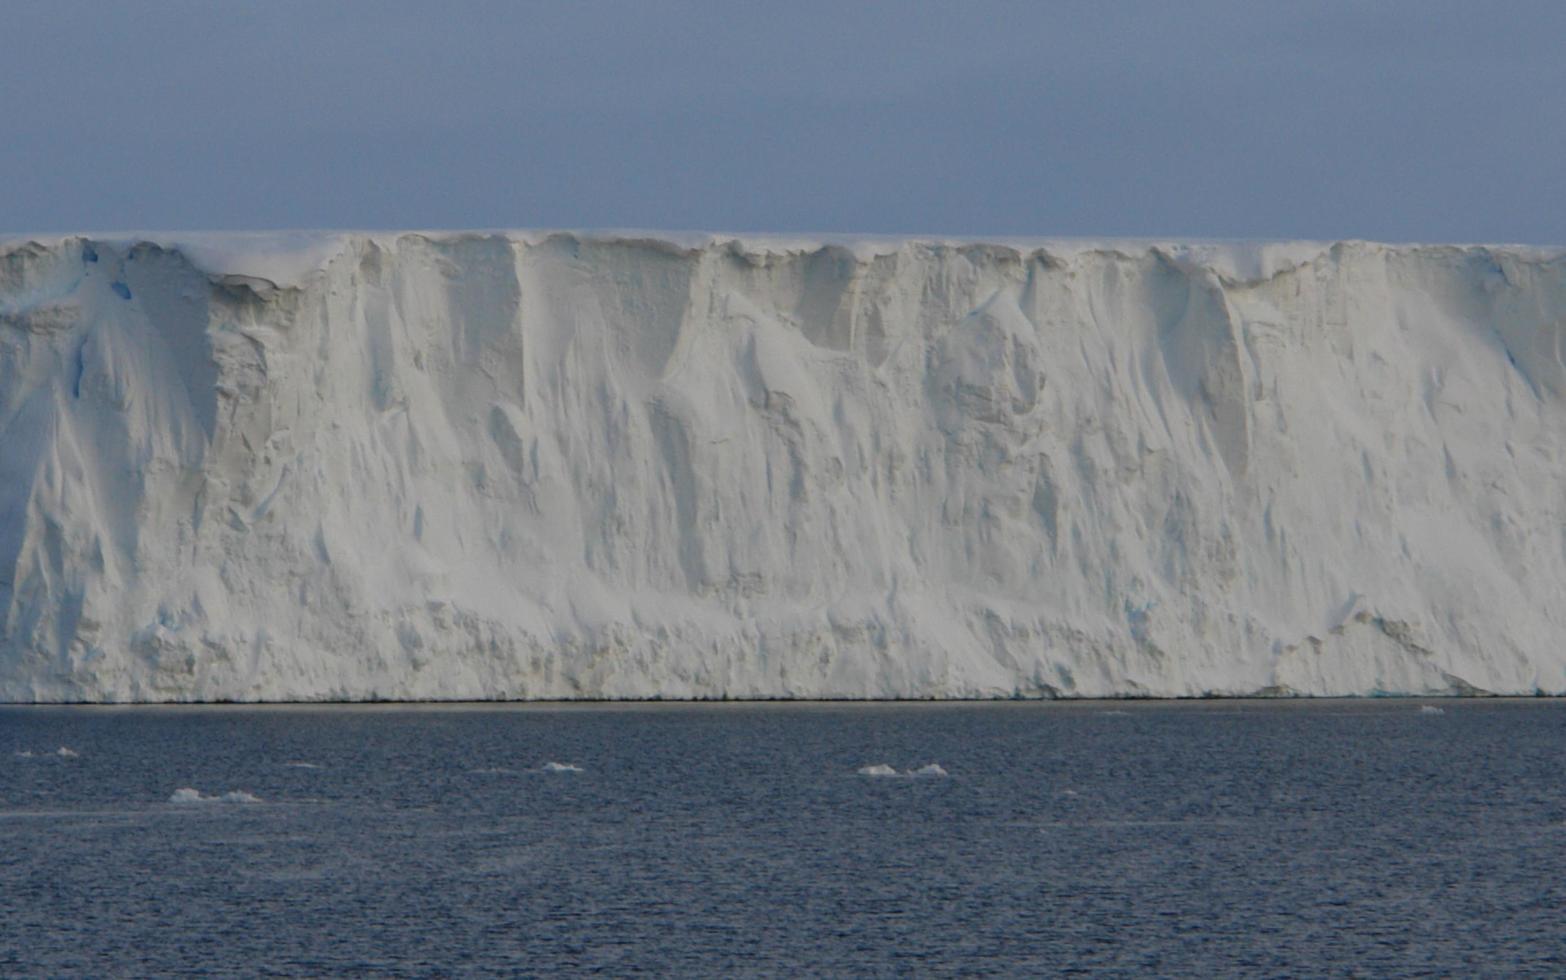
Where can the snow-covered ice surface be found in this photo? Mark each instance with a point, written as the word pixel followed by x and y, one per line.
pixel 296 466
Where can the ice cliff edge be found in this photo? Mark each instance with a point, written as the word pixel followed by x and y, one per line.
pixel 551 465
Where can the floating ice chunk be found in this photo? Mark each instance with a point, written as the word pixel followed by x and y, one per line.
pixel 63 752
pixel 882 770
pixel 561 767
pixel 302 765
pixel 187 795
pixel 493 771
pixel 1430 709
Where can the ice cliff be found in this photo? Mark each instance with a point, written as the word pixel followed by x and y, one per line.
pixel 532 465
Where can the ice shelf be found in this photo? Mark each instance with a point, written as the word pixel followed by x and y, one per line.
pixel 304 466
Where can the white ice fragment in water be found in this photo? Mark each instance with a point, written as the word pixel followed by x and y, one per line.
pixel 883 770
pixel 302 765
pixel 63 752
pixel 1430 709
pixel 187 795
pixel 561 767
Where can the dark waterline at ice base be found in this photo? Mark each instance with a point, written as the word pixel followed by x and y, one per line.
pixel 1164 838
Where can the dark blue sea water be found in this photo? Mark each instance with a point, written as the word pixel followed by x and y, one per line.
pixel 1257 838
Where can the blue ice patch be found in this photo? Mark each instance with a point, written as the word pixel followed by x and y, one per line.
pixel 81 368
pixel 89 254
pixel 121 290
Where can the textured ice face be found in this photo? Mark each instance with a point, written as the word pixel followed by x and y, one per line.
pixel 555 465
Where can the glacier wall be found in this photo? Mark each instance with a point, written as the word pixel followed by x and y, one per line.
pixel 515 465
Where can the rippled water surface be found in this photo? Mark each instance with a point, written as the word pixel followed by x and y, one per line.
pixel 1167 838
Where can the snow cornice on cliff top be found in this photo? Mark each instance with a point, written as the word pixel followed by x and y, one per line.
pixel 286 258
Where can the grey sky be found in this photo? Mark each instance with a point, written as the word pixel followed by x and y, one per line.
pixel 1398 120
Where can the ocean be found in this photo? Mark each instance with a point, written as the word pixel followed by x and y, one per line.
pixel 1382 837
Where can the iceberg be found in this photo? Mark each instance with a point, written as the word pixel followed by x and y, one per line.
pixel 883 771
pixel 550 465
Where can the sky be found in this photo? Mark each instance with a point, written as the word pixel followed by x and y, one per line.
pixel 1404 120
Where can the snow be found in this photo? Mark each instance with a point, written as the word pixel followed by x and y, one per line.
pixel 432 465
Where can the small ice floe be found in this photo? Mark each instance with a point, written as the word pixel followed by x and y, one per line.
pixel 24 754
pixel 186 795
pixel 561 767
pixel 1430 709
pixel 302 765
pixel 493 771
pixel 882 770
pixel 66 753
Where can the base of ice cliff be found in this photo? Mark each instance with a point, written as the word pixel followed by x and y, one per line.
pixel 534 465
